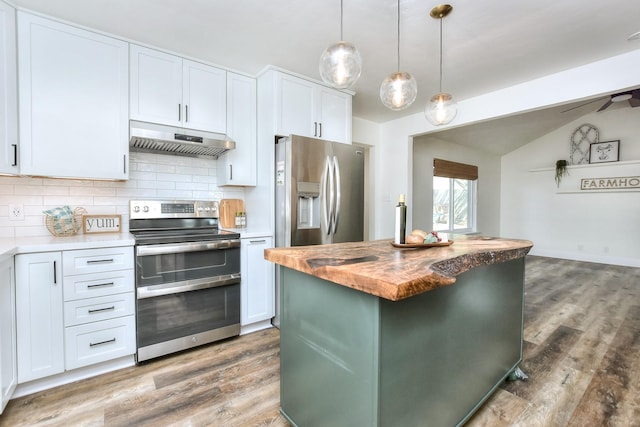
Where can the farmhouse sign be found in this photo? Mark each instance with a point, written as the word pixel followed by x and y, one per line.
pixel 101 223
pixel 614 183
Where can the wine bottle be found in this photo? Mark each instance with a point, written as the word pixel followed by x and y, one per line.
pixel 401 221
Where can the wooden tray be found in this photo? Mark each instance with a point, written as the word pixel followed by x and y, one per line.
pixel 421 245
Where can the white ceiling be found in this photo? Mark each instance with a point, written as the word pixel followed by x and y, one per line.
pixel 488 44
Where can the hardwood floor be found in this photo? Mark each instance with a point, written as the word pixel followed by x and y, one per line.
pixel 582 341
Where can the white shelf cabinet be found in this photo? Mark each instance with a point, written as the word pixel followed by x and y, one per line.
pixel 309 109
pixel 238 167
pixel 257 284
pixel 170 90
pixel 8 350
pixel 73 101
pixel 8 91
pixel 40 328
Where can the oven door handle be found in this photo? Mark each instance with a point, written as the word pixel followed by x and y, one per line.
pixel 173 248
pixel 186 286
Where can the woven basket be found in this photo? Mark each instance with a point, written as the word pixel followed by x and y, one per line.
pixel 69 227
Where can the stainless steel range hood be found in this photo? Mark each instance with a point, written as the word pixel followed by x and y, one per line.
pixel 160 139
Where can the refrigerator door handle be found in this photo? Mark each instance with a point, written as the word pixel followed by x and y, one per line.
pixel 332 196
pixel 336 168
pixel 326 210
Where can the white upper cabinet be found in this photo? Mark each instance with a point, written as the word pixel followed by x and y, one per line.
pixel 238 167
pixel 334 115
pixel 170 90
pixel 310 109
pixel 8 91
pixel 73 101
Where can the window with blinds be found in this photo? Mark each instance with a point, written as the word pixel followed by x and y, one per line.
pixel 454 196
pixel 447 169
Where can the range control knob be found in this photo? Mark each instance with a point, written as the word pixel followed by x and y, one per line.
pixel 136 209
pixel 145 209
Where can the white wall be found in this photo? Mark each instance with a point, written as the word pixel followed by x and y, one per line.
pixel 425 149
pixel 565 222
pixel 150 176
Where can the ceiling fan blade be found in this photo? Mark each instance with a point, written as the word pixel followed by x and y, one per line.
pixel 635 98
pixel 606 105
pixel 582 105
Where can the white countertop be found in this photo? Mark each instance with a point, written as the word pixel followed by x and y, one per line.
pixel 18 245
pixel 21 245
pixel 250 232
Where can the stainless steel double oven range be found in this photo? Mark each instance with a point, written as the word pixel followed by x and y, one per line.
pixel 187 276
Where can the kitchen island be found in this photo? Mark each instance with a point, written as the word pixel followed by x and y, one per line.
pixel 374 335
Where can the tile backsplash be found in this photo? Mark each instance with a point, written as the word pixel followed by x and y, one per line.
pixel 151 176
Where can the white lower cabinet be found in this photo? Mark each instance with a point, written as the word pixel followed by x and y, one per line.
pixel 8 365
pixel 90 343
pixel 40 327
pixel 74 309
pixel 257 285
pixel 99 305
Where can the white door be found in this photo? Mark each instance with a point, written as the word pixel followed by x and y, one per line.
pixel 257 285
pixel 295 106
pixel 156 86
pixel 334 114
pixel 39 313
pixel 8 351
pixel 204 94
pixel 73 92
pixel 238 167
pixel 8 91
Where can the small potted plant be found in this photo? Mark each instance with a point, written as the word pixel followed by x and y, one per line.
pixel 561 171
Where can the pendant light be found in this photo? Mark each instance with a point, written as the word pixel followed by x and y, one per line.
pixel 441 109
pixel 399 89
pixel 340 63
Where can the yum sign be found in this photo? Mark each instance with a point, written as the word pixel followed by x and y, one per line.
pixel 101 223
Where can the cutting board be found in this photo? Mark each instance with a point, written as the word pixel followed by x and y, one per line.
pixel 228 209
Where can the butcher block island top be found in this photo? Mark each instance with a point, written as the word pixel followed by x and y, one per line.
pixel 392 273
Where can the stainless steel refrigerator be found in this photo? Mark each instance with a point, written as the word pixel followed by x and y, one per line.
pixel 319 194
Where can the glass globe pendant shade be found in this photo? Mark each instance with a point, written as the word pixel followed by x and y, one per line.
pixel 441 109
pixel 341 65
pixel 398 91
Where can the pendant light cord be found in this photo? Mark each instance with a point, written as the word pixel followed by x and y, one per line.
pixel 398 35
pixel 341 18
pixel 441 54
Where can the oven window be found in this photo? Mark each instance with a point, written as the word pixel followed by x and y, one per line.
pixel 168 317
pixel 178 267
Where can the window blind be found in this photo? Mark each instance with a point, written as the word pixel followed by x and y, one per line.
pixel 448 169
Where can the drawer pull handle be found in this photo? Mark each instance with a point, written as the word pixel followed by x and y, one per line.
pixel 258 241
pixel 93 344
pixel 98 285
pixel 98 310
pixel 99 261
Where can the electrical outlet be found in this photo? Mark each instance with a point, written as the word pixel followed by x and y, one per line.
pixel 16 213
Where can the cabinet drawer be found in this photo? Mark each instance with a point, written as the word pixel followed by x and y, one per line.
pixel 98 284
pixel 97 260
pixel 99 341
pixel 99 308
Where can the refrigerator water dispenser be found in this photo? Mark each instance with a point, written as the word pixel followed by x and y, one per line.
pixel 308 205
